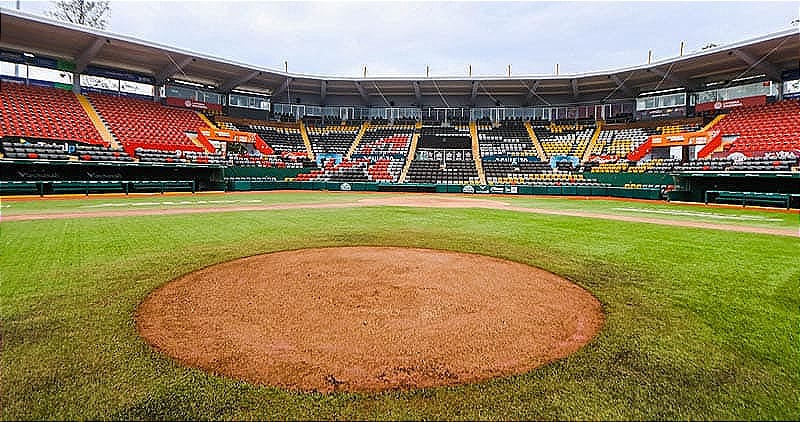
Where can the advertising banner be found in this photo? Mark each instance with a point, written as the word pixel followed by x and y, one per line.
pixel 197 105
pixel 728 104
pixel 673 112
pixel 505 189
pixel 684 138
pixel 791 89
pixel 228 135
pixel 118 74
pixel 321 158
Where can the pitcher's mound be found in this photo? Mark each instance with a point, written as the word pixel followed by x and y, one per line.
pixel 368 318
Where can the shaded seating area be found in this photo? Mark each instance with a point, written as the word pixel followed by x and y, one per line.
pixel 183 157
pixel 282 139
pixel 458 172
pixel 334 139
pixel 617 140
pixel 560 139
pixel 444 156
pixel 508 139
pixel 345 171
pixel 42 150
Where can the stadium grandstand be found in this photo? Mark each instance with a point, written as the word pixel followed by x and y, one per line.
pixel 116 114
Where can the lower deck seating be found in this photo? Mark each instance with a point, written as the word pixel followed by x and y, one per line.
pixel 502 169
pixel 547 179
pixel 564 140
pixel 443 172
pixel 284 140
pixel 617 140
pixel 656 165
pixel 345 171
pixel 276 161
pixel 379 146
pixel 530 173
pixel 764 164
pixel 509 139
pixel 42 150
pixel 714 164
pixel 620 142
pixel 611 167
pixel 769 163
pixel 384 170
pixel 187 157
pixel 380 157
pixel 331 139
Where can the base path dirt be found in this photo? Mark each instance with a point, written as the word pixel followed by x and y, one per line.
pixel 368 318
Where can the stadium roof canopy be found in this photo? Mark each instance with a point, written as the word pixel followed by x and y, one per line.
pixel 770 55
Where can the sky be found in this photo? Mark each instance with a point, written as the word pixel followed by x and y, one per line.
pixel 402 38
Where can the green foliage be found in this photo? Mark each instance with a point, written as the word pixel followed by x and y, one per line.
pixel 700 324
pixel 82 12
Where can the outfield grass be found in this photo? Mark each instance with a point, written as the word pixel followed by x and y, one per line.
pixel 700 324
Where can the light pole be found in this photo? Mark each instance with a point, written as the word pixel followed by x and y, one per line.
pixel 16 66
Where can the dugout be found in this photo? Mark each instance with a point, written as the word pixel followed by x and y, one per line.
pixel 43 177
pixel 693 186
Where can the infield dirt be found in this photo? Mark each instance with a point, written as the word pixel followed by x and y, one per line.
pixel 368 318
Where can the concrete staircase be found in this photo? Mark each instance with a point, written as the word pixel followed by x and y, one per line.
pixel 98 122
pixel 712 123
pixel 197 142
pixel 476 151
pixel 535 141
pixel 592 142
pixel 205 119
pixel 361 132
pixel 306 140
pixel 412 152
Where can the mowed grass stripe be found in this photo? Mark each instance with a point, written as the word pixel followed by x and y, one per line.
pixel 701 324
pixel 750 216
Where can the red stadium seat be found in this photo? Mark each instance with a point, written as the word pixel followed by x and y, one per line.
pixel 147 124
pixel 46 113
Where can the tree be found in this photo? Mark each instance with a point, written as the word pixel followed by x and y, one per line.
pixel 82 12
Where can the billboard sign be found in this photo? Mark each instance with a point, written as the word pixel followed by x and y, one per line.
pixel 728 104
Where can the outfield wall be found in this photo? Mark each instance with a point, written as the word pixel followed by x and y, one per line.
pixel 622 179
pixel 563 190
pixel 262 172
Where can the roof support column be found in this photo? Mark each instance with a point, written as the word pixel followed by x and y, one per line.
pixel 76 82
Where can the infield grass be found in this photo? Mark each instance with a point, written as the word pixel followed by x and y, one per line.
pixel 700 324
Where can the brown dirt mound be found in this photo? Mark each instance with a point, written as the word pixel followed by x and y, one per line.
pixel 368 318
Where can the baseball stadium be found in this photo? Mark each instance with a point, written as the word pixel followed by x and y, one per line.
pixel 189 237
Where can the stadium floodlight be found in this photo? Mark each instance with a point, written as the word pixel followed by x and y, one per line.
pixel 26 54
pixel 663 91
pixel 182 82
pixel 759 76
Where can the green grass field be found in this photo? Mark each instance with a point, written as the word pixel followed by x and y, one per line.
pixel 700 323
